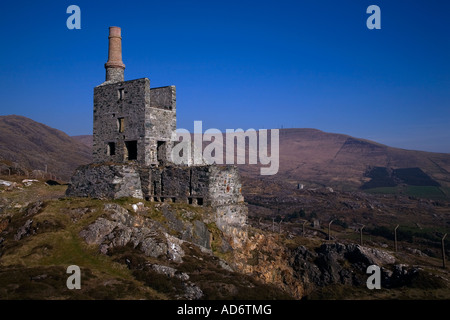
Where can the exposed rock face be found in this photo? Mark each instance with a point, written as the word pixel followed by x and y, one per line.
pixel 120 229
pixel 25 230
pixel 338 263
pixel 265 258
pixel 232 220
pixel 367 256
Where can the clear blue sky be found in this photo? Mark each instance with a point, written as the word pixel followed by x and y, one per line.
pixel 241 64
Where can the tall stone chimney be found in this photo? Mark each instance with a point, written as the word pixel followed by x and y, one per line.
pixel 115 67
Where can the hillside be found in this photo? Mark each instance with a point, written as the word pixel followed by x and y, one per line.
pixel 310 156
pixel 132 249
pixel 34 145
pixel 85 139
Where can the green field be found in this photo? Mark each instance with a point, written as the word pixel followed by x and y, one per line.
pixel 430 192
pixel 426 192
pixel 383 190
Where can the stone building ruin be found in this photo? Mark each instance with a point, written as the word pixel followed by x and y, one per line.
pixel 134 132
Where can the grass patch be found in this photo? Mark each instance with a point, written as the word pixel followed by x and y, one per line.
pixel 294 243
pixel 170 286
pixel 186 212
pixel 383 190
pixel 36 191
pixel 216 242
pixel 446 191
pixel 431 192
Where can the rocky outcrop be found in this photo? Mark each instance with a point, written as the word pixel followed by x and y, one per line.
pixel 24 230
pixel 365 256
pixel 232 221
pixel 336 263
pixel 120 228
pixel 346 264
pixel 265 258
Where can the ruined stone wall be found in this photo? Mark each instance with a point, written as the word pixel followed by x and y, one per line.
pixel 106 182
pixel 225 185
pixel 128 100
pixel 225 196
pixel 163 98
pixel 199 185
pixel 180 184
pixel 162 123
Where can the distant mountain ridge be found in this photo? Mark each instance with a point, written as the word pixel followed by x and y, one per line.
pixel 36 146
pixel 307 156
pixel 338 160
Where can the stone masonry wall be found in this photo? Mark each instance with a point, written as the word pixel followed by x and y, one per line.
pixel 149 116
pixel 225 196
pixel 225 185
pixel 203 185
pixel 162 122
pixel 109 107
pixel 105 182
pixel 114 75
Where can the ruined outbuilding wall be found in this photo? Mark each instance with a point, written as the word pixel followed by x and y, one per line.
pixel 106 182
pixel 162 123
pixel 215 186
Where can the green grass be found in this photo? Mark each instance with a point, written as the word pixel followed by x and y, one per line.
pixel 55 246
pixel 425 192
pixel 429 192
pixel 383 190
pixel 57 243
pixel 446 191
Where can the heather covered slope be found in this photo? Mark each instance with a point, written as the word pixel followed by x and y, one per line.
pixel 316 158
pixel 34 145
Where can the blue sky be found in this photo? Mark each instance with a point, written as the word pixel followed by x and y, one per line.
pixel 241 64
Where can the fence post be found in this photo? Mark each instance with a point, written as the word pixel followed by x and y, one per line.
pixel 329 229
pixel 443 251
pixel 395 238
pixel 361 235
